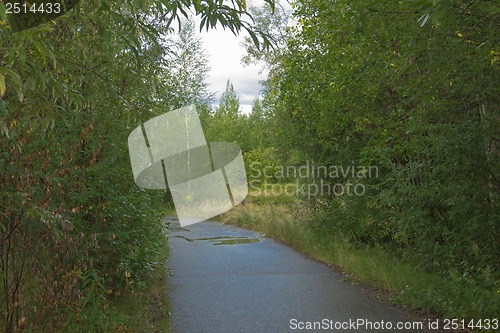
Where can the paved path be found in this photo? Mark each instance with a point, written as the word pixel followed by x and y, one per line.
pixel 227 280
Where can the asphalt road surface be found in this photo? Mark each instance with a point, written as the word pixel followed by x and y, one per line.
pixel 225 280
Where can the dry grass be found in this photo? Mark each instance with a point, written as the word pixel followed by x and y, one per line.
pixel 394 280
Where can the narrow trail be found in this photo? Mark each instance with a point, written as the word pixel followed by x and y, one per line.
pixel 226 280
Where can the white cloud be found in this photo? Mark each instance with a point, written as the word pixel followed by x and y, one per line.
pixel 225 54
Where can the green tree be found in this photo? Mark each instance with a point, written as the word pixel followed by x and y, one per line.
pixel 413 89
pixel 260 126
pixel 74 228
pixel 186 70
pixel 275 23
pixel 227 123
pixel 229 105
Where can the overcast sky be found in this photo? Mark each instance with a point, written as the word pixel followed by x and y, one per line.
pixel 225 53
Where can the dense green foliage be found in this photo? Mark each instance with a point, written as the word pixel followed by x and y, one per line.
pixel 409 87
pixel 74 228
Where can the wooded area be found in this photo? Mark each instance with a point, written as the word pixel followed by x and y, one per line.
pixel 75 229
pixel 413 89
pixel 410 87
